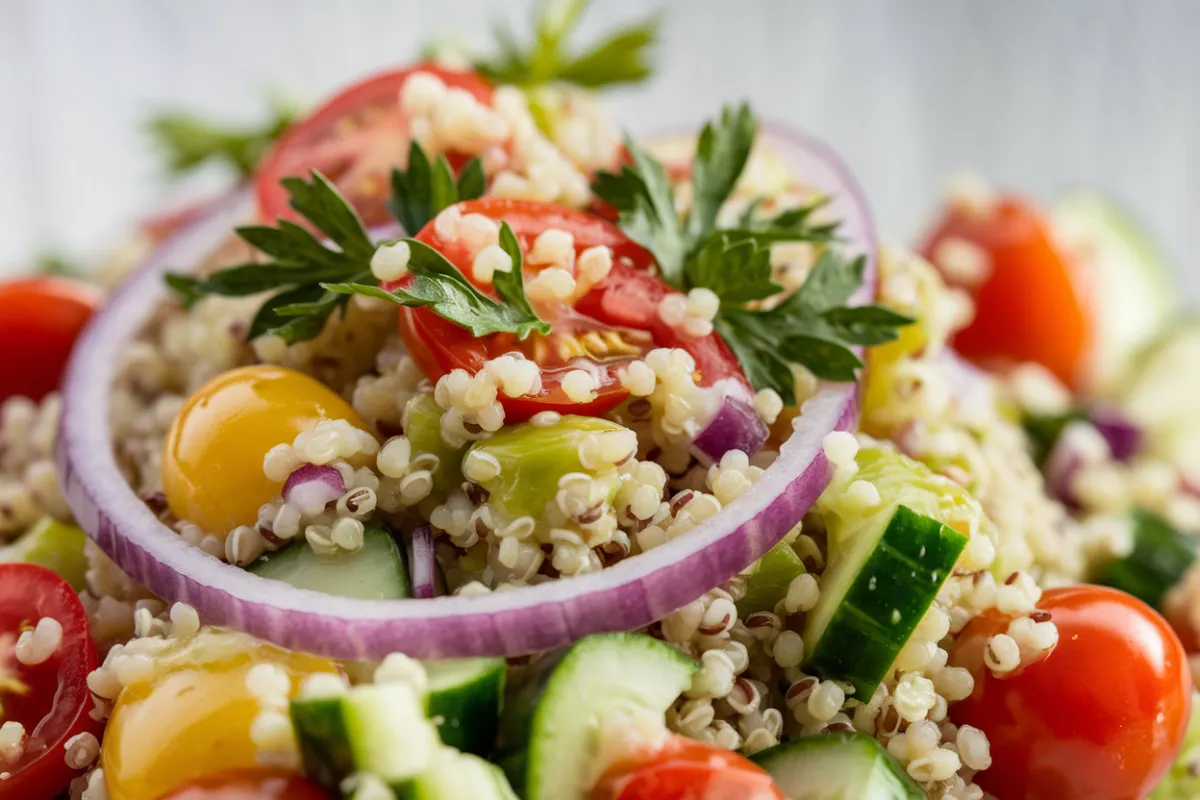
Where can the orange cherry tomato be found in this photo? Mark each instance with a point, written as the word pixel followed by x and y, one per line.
pixel 685 769
pixel 354 139
pixel 250 784
pixel 1026 306
pixel 1102 717
pixel 612 323
pixel 40 318
pixel 51 700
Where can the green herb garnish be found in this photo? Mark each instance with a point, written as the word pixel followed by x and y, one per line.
pixel 622 57
pixel 423 189
pixel 812 326
pixel 188 141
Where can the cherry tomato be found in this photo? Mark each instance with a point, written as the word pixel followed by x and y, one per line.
pixel 1102 717
pixel 40 318
pixel 1026 307
pixel 355 140
pixel 51 700
pixel 213 454
pixel 611 324
pixel 195 719
pixel 250 784
pixel 685 769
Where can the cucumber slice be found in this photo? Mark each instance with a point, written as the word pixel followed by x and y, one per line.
pixel 768 583
pixel 423 427
pixel 1126 279
pixel 54 545
pixel 1163 397
pixel 374 572
pixel 379 728
pixel 458 776
pixel 549 729
pixel 837 766
pixel 1160 556
pixel 464 698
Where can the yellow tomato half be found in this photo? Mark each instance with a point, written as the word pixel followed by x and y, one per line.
pixel 190 721
pixel 213 454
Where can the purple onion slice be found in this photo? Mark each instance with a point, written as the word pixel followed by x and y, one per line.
pixel 423 565
pixel 311 487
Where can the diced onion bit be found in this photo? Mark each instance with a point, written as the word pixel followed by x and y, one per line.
pixel 38 645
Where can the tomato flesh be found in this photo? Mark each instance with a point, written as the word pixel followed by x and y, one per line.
pixel 250 784
pixel 1026 306
pixel 51 700
pixel 40 319
pixel 1102 717
pixel 355 139
pixel 685 769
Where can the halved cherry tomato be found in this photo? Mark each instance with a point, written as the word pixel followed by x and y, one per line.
pixel 51 700
pixel 40 318
pixel 1026 307
pixel 1103 716
pixel 250 784
pixel 685 769
pixel 354 139
pixel 613 323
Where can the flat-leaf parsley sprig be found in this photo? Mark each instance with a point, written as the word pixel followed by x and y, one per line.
pixel 768 333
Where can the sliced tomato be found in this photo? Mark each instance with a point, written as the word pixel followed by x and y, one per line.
pixel 250 784
pixel 613 323
pixel 1026 305
pixel 51 700
pixel 685 769
pixel 354 139
pixel 40 318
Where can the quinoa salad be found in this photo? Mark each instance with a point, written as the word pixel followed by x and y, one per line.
pixel 472 448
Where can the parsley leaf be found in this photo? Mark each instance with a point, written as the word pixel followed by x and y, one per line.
pixel 423 189
pixel 189 141
pixel 737 269
pixel 622 57
pixel 721 154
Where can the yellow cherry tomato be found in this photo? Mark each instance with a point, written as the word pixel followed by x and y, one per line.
pixel 213 454
pixel 191 720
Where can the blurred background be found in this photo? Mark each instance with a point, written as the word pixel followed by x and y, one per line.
pixel 1037 95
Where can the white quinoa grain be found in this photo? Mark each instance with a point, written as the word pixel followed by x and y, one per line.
pixel 552 284
pixel 939 765
pixel 446 223
pixel 185 622
pixel 638 378
pixel 789 650
pixel 82 749
pixel 973 748
pixel 390 262
pixel 802 594
pixel 394 457
pixel 12 741
pixel 554 247
pixel 279 462
pixel 1002 654
pixel 323 684
pixel 347 533
pixel 594 264
pixel 38 645
pixel 769 404
pixel 826 700
pixel 399 668
pixel 914 696
pixel 580 386
pixel 488 262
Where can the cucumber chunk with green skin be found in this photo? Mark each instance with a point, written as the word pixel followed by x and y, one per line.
pixel 52 544
pixel 423 427
pixel 551 722
pixel 768 584
pixel 837 766
pixel 464 698
pixel 1160 557
pixel 458 776
pixel 376 571
pixel 532 459
pixel 379 728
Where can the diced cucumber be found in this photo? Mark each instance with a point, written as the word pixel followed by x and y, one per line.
pixel 768 583
pixel 379 728
pixel 550 727
pixel 1163 396
pixel 459 776
pixel 423 427
pixel 374 572
pixel 1127 282
pixel 532 459
pixel 837 766
pixel 464 700
pixel 54 545
pixel 1160 556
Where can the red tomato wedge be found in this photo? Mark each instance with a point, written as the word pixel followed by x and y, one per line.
pixel 354 139
pixel 51 700
pixel 1102 717
pixel 40 318
pixel 685 769
pixel 250 784
pixel 1026 306
pixel 613 323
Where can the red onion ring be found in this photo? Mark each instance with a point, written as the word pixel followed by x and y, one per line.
pixel 627 595
pixel 422 566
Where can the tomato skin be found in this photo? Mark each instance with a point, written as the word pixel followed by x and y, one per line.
pixel 685 769
pixel 250 784
pixel 40 319
pixel 1027 308
pixel 58 703
pixel 1102 717
pixel 316 143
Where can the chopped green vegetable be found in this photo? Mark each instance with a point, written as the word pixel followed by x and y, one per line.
pixel 423 189
pixel 376 571
pixel 1160 557
pixel 768 584
pixel 188 141
pixel 463 698
pixel 54 545
pixel 423 427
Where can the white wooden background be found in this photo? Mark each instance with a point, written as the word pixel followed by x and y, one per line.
pixel 1039 94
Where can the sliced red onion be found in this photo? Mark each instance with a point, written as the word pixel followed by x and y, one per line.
pixel 1125 437
pixel 735 426
pixel 628 595
pixel 1078 445
pixel 311 487
pixel 422 565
